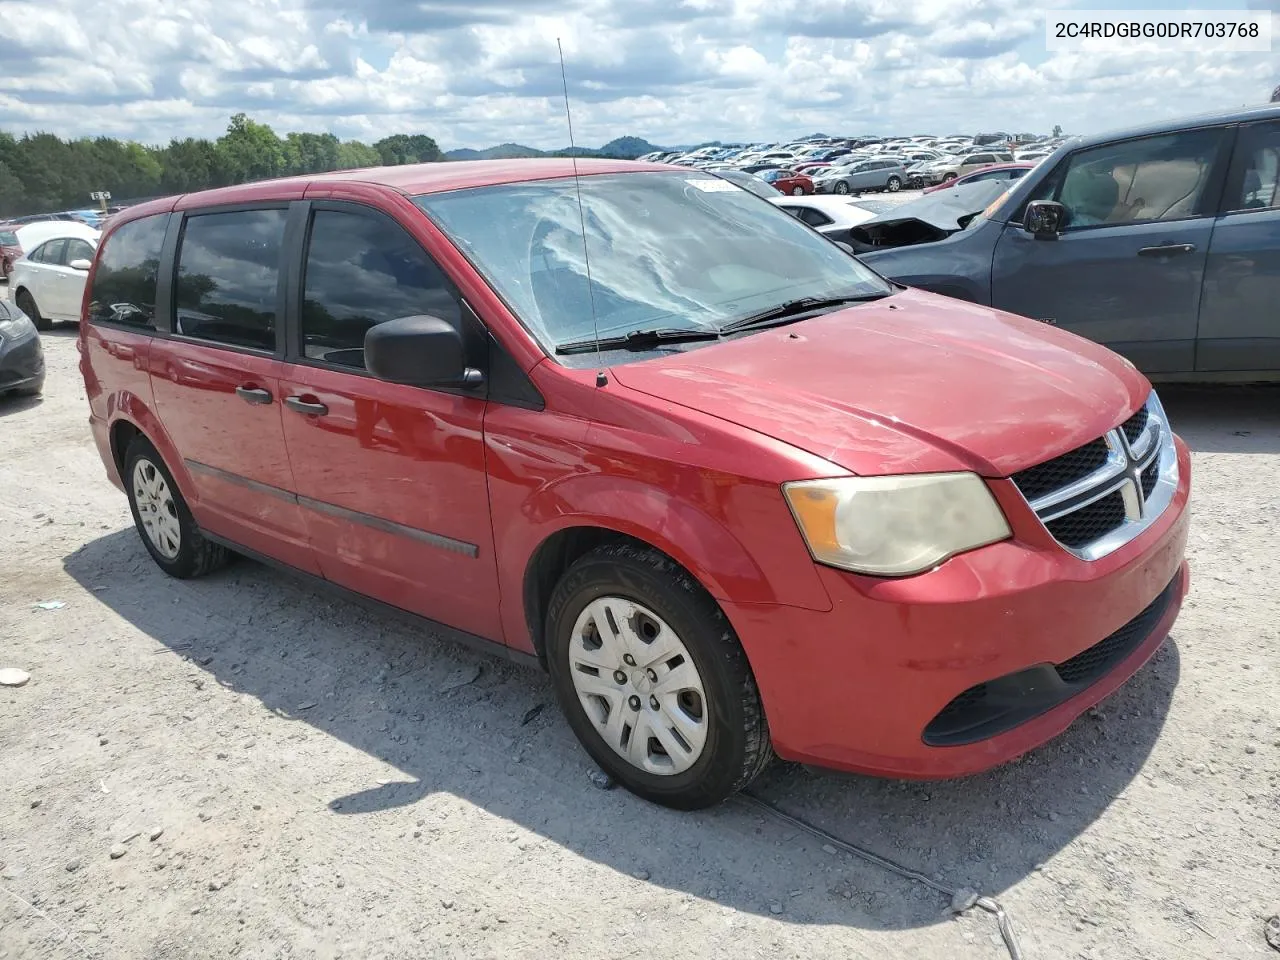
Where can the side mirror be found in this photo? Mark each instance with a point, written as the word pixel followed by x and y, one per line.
pixel 422 351
pixel 81 264
pixel 1044 219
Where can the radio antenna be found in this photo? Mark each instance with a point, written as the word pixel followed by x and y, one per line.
pixel 601 379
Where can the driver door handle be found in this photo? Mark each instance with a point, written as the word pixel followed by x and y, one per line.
pixel 253 394
pixel 310 408
pixel 1167 250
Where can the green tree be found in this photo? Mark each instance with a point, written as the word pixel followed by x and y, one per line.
pixel 192 164
pixel 353 154
pixel 42 173
pixel 1057 130
pixel 311 152
pixel 250 151
pixel 405 148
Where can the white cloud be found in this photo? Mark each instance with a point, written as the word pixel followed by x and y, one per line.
pixel 479 72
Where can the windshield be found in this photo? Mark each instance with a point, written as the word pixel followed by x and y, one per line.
pixel 666 250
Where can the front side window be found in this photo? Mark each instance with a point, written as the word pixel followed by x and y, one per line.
pixel 228 277
pixel 78 249
pixel 664 250
pixel 361 271
pixel 1257 186
pixel 1156 178
pixel 124 283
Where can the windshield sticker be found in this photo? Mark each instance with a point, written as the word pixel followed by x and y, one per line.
pixel 713 186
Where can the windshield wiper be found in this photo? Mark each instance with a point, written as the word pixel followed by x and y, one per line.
pixel 639 340
pixel 794 309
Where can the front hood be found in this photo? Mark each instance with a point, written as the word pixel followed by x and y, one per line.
pixel 913 383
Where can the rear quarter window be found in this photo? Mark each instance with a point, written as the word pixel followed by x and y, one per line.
pixel 124 284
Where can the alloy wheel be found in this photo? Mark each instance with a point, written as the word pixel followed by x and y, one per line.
pixel 156 509
pixel 638 685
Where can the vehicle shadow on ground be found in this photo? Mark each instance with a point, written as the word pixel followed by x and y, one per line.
pixel 11 404
pixel 67 329
pixel 1199 413
pixel 489 732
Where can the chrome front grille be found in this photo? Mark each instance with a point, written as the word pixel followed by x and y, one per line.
pixel 1098 497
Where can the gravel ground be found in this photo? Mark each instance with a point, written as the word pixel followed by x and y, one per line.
pixel 243 766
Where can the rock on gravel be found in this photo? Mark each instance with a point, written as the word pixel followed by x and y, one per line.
pixel 118 850
pixel 13 677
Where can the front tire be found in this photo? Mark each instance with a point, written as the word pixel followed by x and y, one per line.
pixel 164 522
pixel 27 304
pixel 652 679
pixel 841 187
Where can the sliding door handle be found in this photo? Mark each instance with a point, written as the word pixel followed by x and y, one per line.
pixel 253 394
pixel 1167 250
pixel 308 407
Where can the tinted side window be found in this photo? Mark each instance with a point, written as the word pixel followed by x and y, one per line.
pixel 814 218
pixel 55 251
pixel 363 270
pixel 78 249
pixel 1156 178
pixel 228 277
pixel 1256 185
pixel 124 284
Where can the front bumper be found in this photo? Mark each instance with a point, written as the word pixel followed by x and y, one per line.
pixel 21 364
pixel 857 687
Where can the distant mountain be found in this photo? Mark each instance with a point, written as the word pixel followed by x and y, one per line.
pixel 626 147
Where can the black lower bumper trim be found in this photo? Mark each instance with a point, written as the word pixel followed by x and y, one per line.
pixel 999 705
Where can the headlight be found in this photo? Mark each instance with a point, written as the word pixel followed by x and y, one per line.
pixel 17 326
pixel 895 526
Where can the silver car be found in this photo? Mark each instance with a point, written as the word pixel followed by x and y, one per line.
pixel 862 176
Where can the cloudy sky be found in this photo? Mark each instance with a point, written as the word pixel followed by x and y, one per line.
pixel 480 72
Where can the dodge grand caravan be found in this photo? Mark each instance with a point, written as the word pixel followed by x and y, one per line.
pixel 738 494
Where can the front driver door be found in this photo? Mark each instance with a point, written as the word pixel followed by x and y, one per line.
pixel 1240 311
pixel 391 478
pixel 1127 270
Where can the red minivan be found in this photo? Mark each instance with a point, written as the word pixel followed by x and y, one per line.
pixel 739 495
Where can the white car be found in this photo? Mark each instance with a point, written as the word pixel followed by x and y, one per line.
pixel 47 282
pixel 832 216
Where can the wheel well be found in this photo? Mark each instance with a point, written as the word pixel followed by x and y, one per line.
pixel 554 556
pixel 122 434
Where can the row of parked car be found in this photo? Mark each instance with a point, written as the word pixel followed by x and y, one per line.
pixel 853 166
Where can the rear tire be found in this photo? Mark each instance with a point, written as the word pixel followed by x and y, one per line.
pixel 797 191
pixel 705 705
pixel 894 184
pixel 162 517
pixel 27 304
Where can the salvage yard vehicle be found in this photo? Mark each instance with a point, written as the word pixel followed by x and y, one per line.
pixel 1161 242
pixel 833 217
pixel 21 353
pixel 48 283
pixel 862 176
pixel 737 493
pixel 997 171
